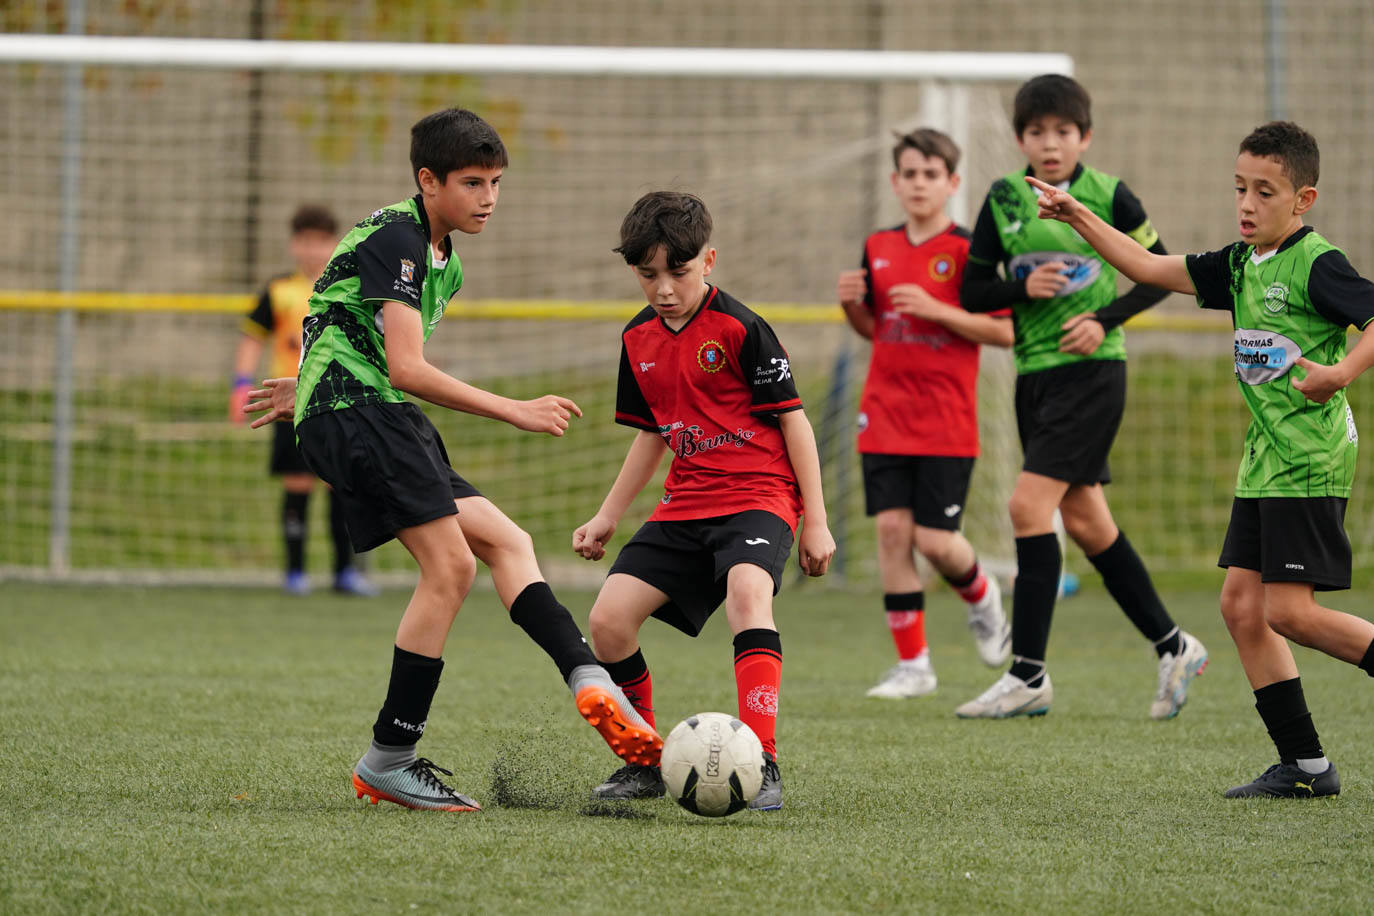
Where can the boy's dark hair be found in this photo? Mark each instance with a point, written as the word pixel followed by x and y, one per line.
pixel 454 138
pixel 930 143
pixel 314 217
pixel 1293 148
pixel 679 222
pixel 1052 94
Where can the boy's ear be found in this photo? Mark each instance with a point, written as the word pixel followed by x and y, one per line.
pixel 429 182
pixel 1306 197
pixel 708 261
pixel 954 181
pixel 1087 136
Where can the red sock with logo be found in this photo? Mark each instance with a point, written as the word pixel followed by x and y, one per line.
pixel 758 675
pixel 906 618
pixel 632 676
pixel 972 585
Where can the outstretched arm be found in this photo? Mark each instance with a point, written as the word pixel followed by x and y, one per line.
pixel 412 373
pixel 911 299
pixel 1117 248
pixel 645 455
pixel 816 546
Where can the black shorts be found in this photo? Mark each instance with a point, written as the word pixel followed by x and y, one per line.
pixel 1293 539
pixel 933 487
pixel 388 468
pixel 688 560
pixel 1067 418
pixel 286 458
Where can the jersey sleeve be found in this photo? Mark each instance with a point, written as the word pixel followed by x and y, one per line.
pixel 1338 293
pixel 391 265
pixel 985 246
pixel 768 371
pixel 631 408
pixel 260 322
pixel 1211 276
pixel 1128 215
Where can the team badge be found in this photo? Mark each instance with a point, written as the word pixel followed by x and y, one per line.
pixel 407 270
pixel 941 268
pixel 1276 298
pixel 711 356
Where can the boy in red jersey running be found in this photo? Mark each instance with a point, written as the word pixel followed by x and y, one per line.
pixel 918 416
pixel 705 377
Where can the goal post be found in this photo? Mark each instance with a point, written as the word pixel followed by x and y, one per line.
pixel 178 161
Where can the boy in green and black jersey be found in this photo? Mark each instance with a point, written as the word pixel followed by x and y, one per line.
pixel 1292 295
pixel 378 301
pixel 1070 393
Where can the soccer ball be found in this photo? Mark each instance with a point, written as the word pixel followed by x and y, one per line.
pixel 712 764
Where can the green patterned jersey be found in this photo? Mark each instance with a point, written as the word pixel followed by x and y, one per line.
pixel 385 258
pixel 1295 301
pixel 1009 233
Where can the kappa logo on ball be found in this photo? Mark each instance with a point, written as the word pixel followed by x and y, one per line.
pixel 711 356
pixel 763 700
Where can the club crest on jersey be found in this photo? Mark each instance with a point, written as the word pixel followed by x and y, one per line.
pixel 711 356
pixel 407 270
pixel 1276 298
pixel 941 268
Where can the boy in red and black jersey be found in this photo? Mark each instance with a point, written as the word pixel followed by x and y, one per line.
pixel 918 416
pixel 704 377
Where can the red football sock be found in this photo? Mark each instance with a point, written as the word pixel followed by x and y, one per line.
pixel 758 674
pixel 906 618
pixel 972 585
pixel 632 676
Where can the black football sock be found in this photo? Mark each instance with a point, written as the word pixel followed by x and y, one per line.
pixel 1283 708
pixel 414 678
pixel 536 611
pixel 293 516
pixel 1038 563
pixel 1129 583
pixel 1367 663
pixel 338 530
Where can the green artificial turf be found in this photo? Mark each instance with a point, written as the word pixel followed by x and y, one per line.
pixel 188 750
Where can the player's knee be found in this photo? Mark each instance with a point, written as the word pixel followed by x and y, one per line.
pixel 453 573
pixel 894 533
pixel 608 630
pixel 936 545
pixel 1240 612
pixel 1028 514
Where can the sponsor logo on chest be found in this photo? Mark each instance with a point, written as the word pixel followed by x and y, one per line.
pixel 1262 356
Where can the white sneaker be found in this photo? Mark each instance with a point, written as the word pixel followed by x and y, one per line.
pixel 915 678
pixel 1010 696
pixel 991 631
pixel 1175 674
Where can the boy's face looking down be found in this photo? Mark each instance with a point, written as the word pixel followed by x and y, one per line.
pixel 1268 207
pixel 675 292
pixel 923 184
pixel 1052 146
pixel 311 250
pixel 463 200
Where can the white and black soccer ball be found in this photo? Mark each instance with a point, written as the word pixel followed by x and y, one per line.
pixel 712 764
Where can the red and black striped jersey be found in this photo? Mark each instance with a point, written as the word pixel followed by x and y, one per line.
pixel 920 397
pixel 713 390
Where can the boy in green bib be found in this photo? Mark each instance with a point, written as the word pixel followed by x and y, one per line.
pixel 1292 295
pixel 384 291
pixel 1070 394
